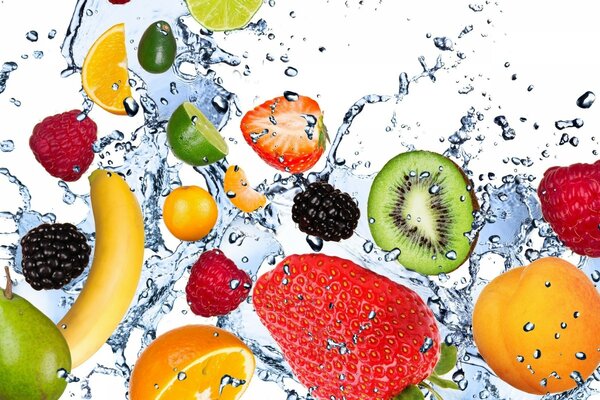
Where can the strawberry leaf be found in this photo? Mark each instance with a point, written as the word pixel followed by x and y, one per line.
pixel 323 134
pixel 410 393
pixel 447 359
pixel 443 383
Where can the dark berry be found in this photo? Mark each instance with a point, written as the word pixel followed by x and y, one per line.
pixel 53 255
pixel 325 212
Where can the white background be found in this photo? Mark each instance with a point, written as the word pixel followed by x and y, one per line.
pixel 551 45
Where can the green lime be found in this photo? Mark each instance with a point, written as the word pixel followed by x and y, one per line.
pixel 193 138
pixel 157 48
pixel 223 15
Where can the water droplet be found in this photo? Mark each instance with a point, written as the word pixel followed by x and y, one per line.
pixel 434 189
pixel 520 359
pixel 244 259
pixel 52 34
pixel 291 72
pixel 563 325
pixel 544 382
pixel 392 255
pixel 537 354
pixel 528 327
pixel 368 246
pixel 315 243
pixel 234 284
pixel 547 284
pixel 38 54
pixel 32 36
pixel 182 376
pixel 576 314
pixel 291 96
pixel 131 106
pixel 451 255
pixel 586 100
pixel 443 43
pixel 230 194
pixel 427 344
pixel 6 146
pixel 372 314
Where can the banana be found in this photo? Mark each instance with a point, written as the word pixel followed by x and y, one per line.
pixel 115 270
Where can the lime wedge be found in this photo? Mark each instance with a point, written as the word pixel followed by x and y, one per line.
pixel 193 138
pixel 223 15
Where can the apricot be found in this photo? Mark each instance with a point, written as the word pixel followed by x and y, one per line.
pixel 538 326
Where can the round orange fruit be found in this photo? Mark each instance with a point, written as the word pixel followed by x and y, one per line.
pixel 193 362
pixel 537 326
pixel 190 212
pixel 239 192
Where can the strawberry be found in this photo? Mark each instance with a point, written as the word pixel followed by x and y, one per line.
pixel 347 332
pixel 216 285
pixel 287 132
pixel 570 200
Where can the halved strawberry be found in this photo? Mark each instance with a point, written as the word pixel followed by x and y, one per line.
pixel 288 133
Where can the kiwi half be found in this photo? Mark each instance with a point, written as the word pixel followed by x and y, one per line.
pixel 422 204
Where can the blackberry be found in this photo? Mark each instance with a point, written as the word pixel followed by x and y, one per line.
pixel 325 212
pixel 53 255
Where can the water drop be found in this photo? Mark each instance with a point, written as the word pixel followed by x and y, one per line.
pixel 563 325
pixel 576 314
pixel 528 327
pixel 443 43
pixel 315 243
pixel 181 376
pixel 434 189
pixel 392 255
pixel 427 344
pixel 234 284
pixel 32 36
pixel 451 255
pixel 291 72
pixel 520 359
pixel 537 354
pixel 290 96
pixel 586 100
pixel 6 146
pixel 131 106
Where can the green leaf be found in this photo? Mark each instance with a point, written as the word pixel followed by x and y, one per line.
pixel 443 383
pixel 410 393
pixel 447 359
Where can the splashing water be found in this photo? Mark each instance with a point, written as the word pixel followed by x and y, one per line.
pixel 509 225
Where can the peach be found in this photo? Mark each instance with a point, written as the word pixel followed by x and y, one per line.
pixel 538 326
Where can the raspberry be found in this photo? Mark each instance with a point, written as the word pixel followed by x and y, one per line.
pixel 570 200
pixel 325 212
pixel 63 145
pixel 53 255
pixel 216 285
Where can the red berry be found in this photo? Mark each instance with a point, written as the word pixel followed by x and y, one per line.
pixel 287 132
pixel 63 145
pixel 570 200
pixel 216 286
pixel 347 332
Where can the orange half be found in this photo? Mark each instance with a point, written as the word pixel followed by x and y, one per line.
pixel 240 193
pixel 104 74
pixel 198 362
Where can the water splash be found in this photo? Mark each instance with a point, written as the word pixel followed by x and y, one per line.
pixel 509 224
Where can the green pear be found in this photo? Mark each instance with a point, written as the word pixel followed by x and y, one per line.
pixel 34 355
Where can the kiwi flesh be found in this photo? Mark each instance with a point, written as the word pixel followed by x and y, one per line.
pixel 422 204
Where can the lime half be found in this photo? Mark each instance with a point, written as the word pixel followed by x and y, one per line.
pixel 193 138
pixel 223 15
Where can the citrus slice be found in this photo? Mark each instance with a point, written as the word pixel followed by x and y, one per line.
pixel 193 138
pixel 239 192
pixel 198 362
pixel 104 73
pixel 223 15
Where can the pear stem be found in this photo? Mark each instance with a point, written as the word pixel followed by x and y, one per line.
pixel 8 293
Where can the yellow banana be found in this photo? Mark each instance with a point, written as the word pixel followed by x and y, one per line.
pixel 115 270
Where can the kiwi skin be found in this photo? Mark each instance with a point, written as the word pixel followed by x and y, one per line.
pixel 384 195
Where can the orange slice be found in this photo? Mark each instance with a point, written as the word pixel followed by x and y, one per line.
pixel 199 362
pixel 240 193
pixel 104 74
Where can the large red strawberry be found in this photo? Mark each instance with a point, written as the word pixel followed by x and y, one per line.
pixel 570 200
pixel 287 132
pixel 347 332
